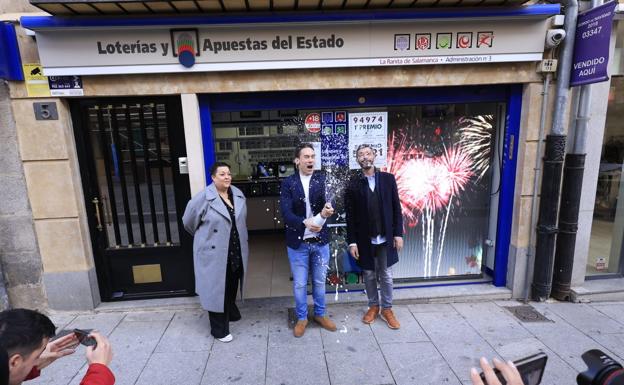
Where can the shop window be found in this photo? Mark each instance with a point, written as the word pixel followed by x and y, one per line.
pixel 608 224
pixel 446 159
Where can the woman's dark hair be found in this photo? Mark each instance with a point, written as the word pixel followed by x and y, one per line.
pixel 216 165
pixel 22 331
pixel 301 146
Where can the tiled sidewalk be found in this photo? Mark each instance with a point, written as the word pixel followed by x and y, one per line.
pixel 437 344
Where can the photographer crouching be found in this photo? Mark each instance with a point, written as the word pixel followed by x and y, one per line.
pixel 26 335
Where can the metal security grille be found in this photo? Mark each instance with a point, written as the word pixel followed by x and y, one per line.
pixel 136 203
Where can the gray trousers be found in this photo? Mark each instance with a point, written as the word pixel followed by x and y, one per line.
pixel 381 274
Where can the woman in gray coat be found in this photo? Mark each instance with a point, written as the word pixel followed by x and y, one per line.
pixel 217 218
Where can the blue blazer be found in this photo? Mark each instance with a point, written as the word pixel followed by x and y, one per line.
pixel 292 204
pixel 356 207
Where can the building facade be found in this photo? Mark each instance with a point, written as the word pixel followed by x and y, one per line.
pixel 143 105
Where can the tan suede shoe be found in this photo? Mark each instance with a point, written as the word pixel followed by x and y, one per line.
pixel 371 314
pixel 388 316
pixel 299 328
pixel 325 323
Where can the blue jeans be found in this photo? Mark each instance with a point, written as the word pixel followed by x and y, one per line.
pixel 308 255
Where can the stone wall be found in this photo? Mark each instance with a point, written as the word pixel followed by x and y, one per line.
pixel 17 6
pixel 19 252
pixel 48 153
pixel 292 80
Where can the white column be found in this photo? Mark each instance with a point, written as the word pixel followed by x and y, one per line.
pixel 194 144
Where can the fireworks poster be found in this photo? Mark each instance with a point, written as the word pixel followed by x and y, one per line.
pixel 368 128
pixel 442 164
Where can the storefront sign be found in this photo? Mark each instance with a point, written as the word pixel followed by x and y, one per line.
pixel 591 47
pixel 368 128
pixel 156 49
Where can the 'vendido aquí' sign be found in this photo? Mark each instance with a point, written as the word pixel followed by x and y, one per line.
pixel 591 47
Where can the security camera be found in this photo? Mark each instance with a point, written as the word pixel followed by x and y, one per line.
pixel 554 37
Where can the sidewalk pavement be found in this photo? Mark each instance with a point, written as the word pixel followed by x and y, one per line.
pixel 437 344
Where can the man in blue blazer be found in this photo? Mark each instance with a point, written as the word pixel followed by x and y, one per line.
pixel 374 232
pixel 304 208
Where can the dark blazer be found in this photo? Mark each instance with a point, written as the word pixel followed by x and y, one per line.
pixel 356 207
pixel 292 204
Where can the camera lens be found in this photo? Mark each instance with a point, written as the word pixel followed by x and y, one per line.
pixel 601 370
pixel 615 378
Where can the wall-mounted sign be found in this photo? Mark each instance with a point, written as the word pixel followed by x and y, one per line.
pixel 154 49
pixel 591 47
pixel 36 82
pixel 368 128
pixel 65 85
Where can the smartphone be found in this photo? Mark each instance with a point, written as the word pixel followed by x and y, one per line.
pixel 531 369
pixel 83 337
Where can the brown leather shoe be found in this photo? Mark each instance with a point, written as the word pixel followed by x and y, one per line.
pixel 388 316
pixel 371 314
pixel 299 328
pixel 325 323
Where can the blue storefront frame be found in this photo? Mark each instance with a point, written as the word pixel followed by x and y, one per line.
pixel 10 59
pixel 531 11
pixel 322 99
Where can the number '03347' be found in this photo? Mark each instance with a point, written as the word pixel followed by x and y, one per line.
pixel 591 32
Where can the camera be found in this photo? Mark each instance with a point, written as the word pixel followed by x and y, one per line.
pixel 84 338
pixel 601 370
pixel 531 370
pixel 554 37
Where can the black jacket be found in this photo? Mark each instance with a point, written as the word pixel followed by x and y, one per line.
pixel 356 207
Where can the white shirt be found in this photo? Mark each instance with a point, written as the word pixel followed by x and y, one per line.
pixel 305 181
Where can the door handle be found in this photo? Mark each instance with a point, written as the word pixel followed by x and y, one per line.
pixel 183 165
pixel 96 203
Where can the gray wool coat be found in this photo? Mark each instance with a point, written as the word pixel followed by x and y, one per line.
pixel 207 218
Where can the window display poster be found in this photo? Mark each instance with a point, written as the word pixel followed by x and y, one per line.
pixel 334 139
pixel 368 128
pixel 317 159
